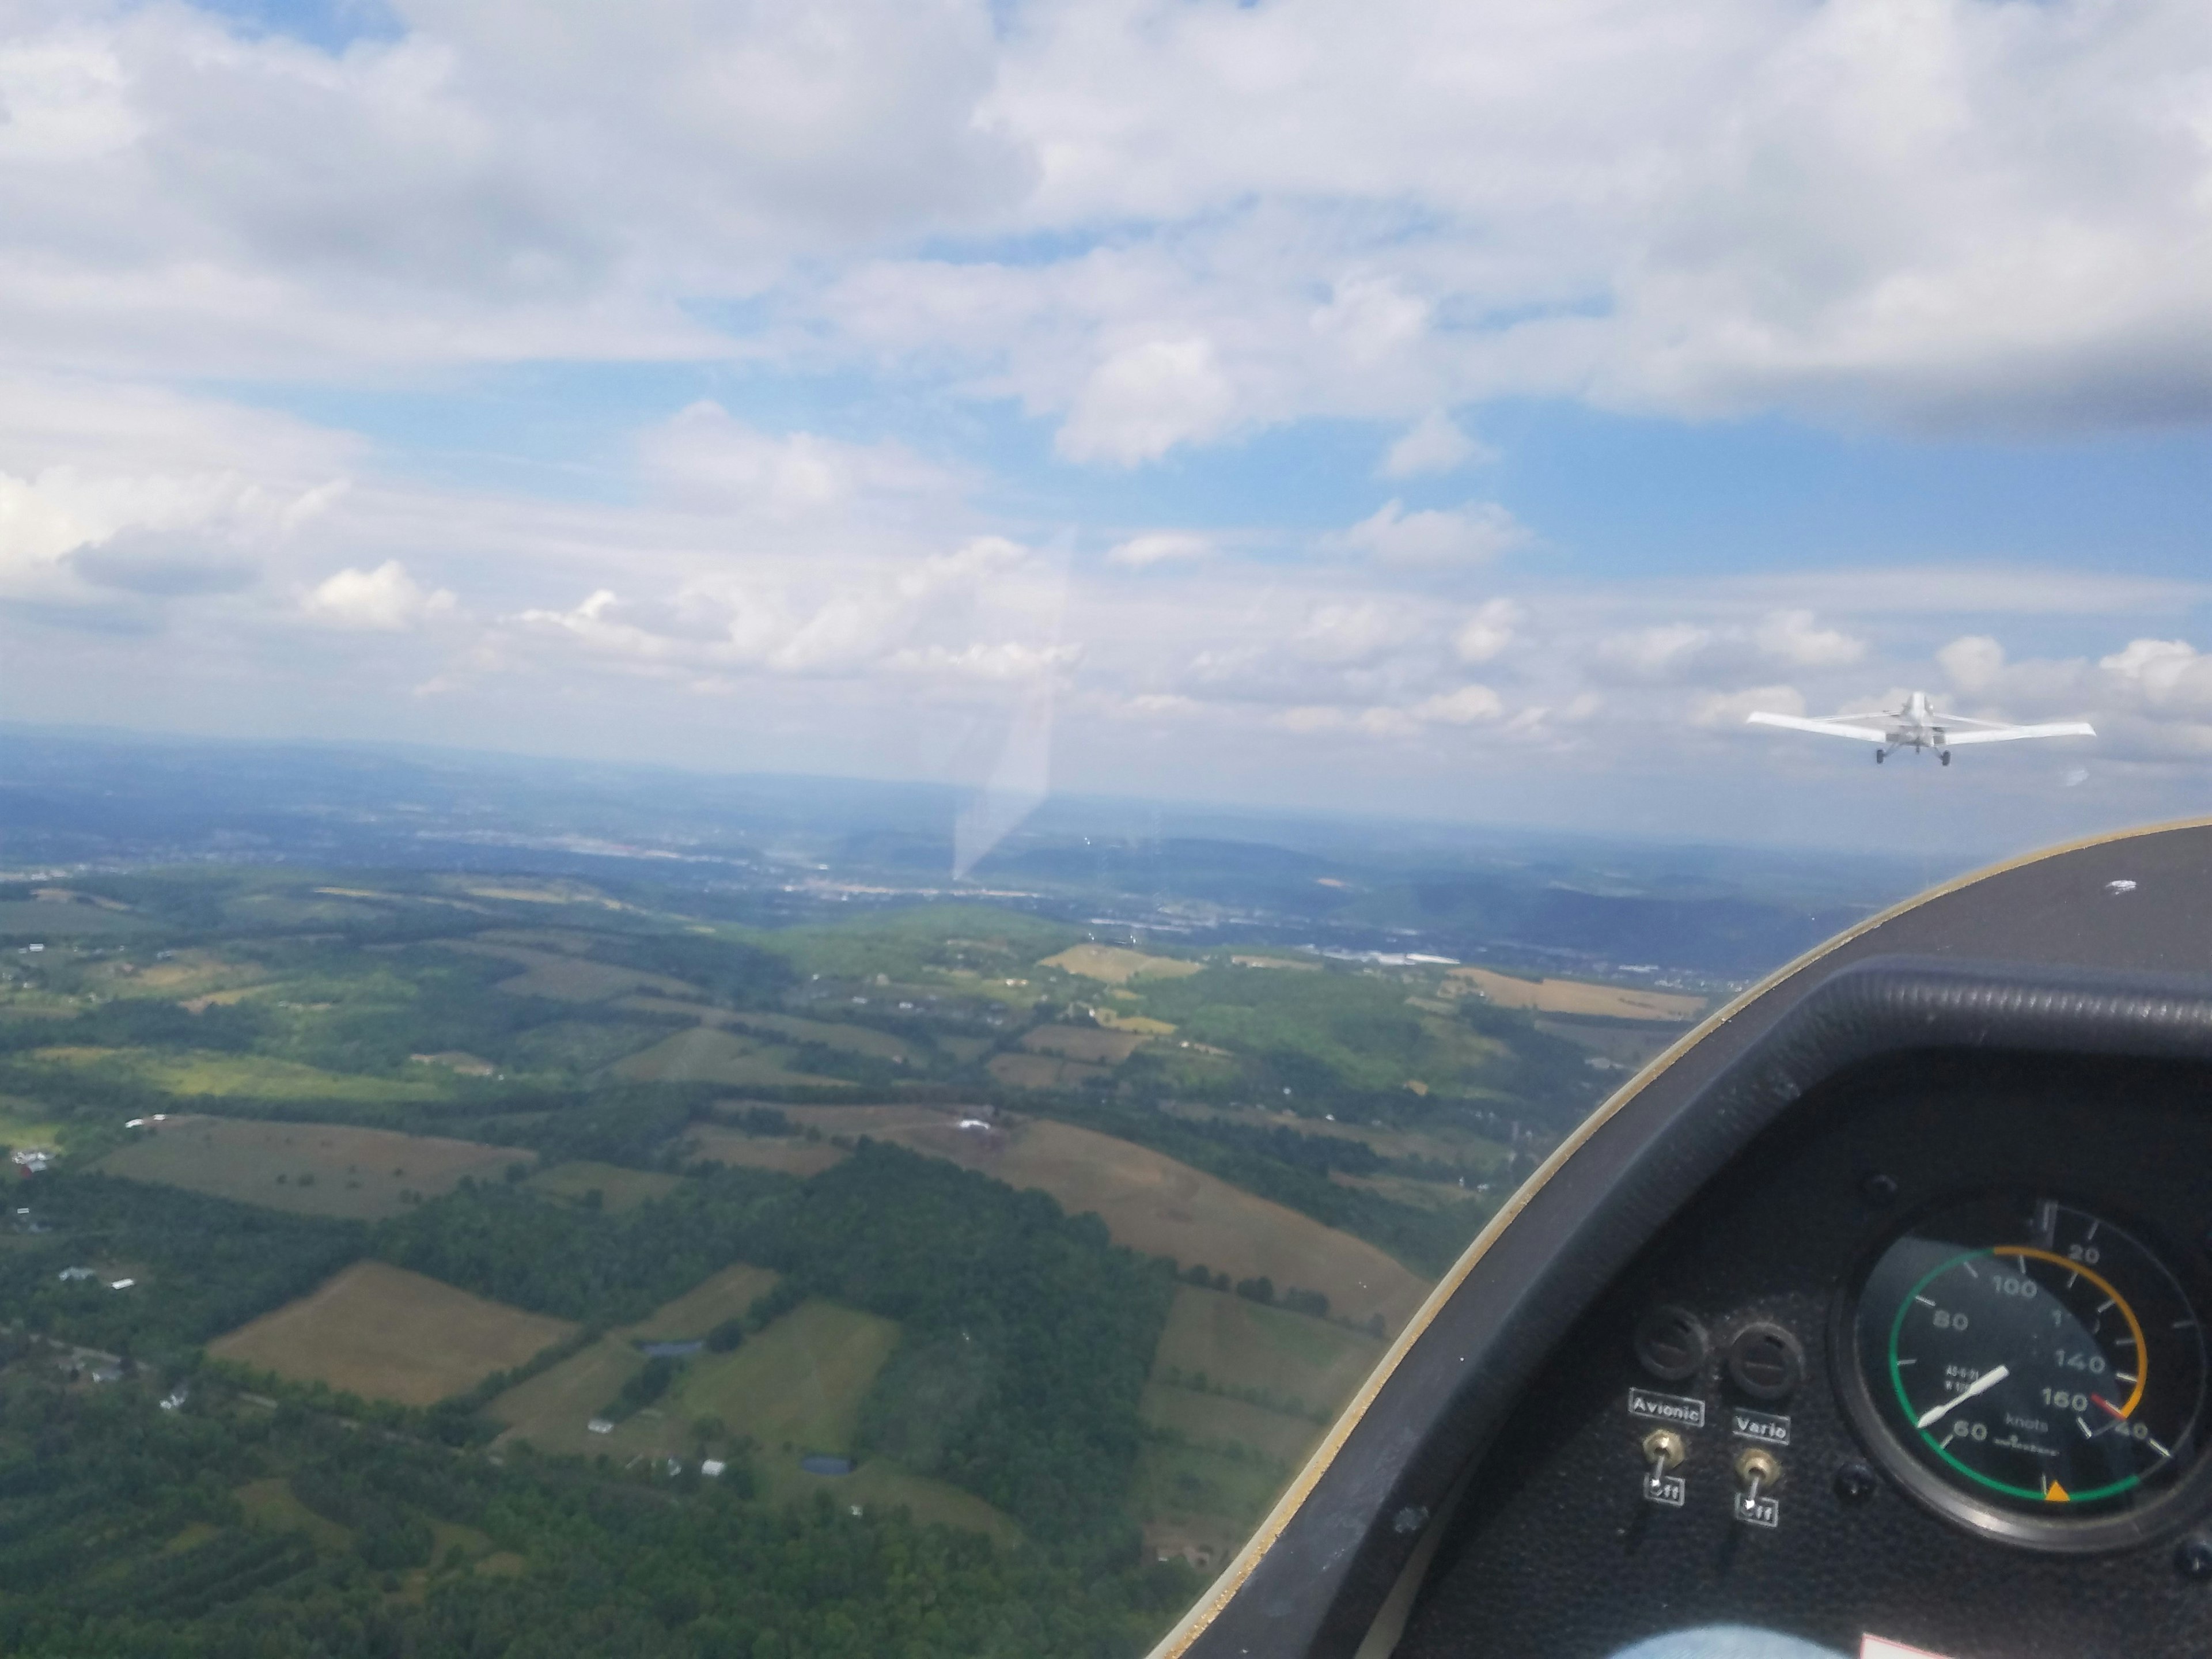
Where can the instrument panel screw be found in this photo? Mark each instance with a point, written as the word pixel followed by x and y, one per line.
pixel 1879 1190
pixel 1855 1482
pixel 2192 1559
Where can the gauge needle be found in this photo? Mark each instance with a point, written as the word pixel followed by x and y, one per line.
pixel 1986 1380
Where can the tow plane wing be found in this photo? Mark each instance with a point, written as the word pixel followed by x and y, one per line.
pixel 1826 728
pixel 2006 734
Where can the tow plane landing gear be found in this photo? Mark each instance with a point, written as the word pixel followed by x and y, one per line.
pixel 1943 754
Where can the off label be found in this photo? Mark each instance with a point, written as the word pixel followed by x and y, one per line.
pixel 1669 1489
pixel 1758 1511
pixel 1764 1427
pixel 1675 1410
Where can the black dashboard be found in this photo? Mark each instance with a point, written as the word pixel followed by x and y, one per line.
pixel 1873 1319
pixel 1767 1285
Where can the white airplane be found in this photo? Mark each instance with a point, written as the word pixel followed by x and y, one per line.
pixel 1919 726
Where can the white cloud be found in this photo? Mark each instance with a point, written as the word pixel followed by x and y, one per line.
pixel 2169 676
pixel 1470 534
pixel 1734 708
pixel 704 458
pixel 1160 547
pixel 1349 634
pixel 1972 663
pixel 1664 652
pixel 66 531
pixel 385 599
pixel 1791 637
pixel 1680 651
pixel 1145 399
pixel 1489 632
pixel 1470 705
pixel 1432 444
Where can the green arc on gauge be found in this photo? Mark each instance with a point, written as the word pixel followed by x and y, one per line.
pixel 1938 1447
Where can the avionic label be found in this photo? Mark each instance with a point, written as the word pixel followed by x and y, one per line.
pixel 1675 1410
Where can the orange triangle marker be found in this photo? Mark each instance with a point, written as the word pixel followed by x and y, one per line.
pixel 2055 1493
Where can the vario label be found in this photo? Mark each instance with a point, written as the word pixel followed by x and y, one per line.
pixel 1675 1410
pixel 1764 1427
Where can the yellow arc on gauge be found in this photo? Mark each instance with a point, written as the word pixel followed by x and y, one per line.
pixel 2134 1327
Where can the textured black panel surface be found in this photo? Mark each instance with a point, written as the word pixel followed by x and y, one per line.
pixel 1555 1554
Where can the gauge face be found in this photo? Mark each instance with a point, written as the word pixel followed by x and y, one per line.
pixel 2026 1358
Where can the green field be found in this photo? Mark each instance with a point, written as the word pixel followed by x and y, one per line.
pixel 33 919
pixel 1236 1343
pixel 707 1054
pixel 787 1153
pixel 726 1295
pixel 793 1388
pixel 1117 966
pixel 310 1168
pixel 1159 1206
pixel 247 1077
pixel 565 978
pixel 619 1188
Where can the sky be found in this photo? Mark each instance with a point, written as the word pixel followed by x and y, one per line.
pixel 1468 412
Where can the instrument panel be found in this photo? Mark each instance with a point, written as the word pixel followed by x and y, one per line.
pixel 1927 1364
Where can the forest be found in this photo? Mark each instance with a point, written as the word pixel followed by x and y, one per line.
pixel 93 1486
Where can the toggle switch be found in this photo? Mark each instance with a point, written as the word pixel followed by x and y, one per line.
pixel 1664 1450
pixel 1758 1472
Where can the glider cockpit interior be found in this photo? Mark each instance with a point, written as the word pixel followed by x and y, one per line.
pixel 1871 1320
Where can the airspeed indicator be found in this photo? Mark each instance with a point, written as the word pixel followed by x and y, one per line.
pixel 2033 1359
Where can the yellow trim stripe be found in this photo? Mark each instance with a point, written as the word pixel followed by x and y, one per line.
pixel 1224 1589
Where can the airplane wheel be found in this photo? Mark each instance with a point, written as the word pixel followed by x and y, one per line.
pixel 1946 757
pixel 1877 757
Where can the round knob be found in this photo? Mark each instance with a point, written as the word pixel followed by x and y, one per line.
pixel 1765 1362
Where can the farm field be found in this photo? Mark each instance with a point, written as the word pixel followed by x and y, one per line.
pixel 1210 1420
pixel 726 1295
pixel 311 1168
pixel 1238 1344
pixel 1084 1043
pixel 706 1053
pixel 41 919
pixel 1159 1206
pixel 385 1333
pixel 788 1028
pixel 1573 996
pixel 1446 1143
pixel 797 1386
pixel 1117 966
pixel 1042 1071
pixel 567 978
pixel 788 1154
pixel 550 1409
pixel 794 1387
pixel 25 1123
pixel 246 1077
pixel 1198 1504
pixel 1632 1047
pixel 1400 1189
pixel 619 1188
